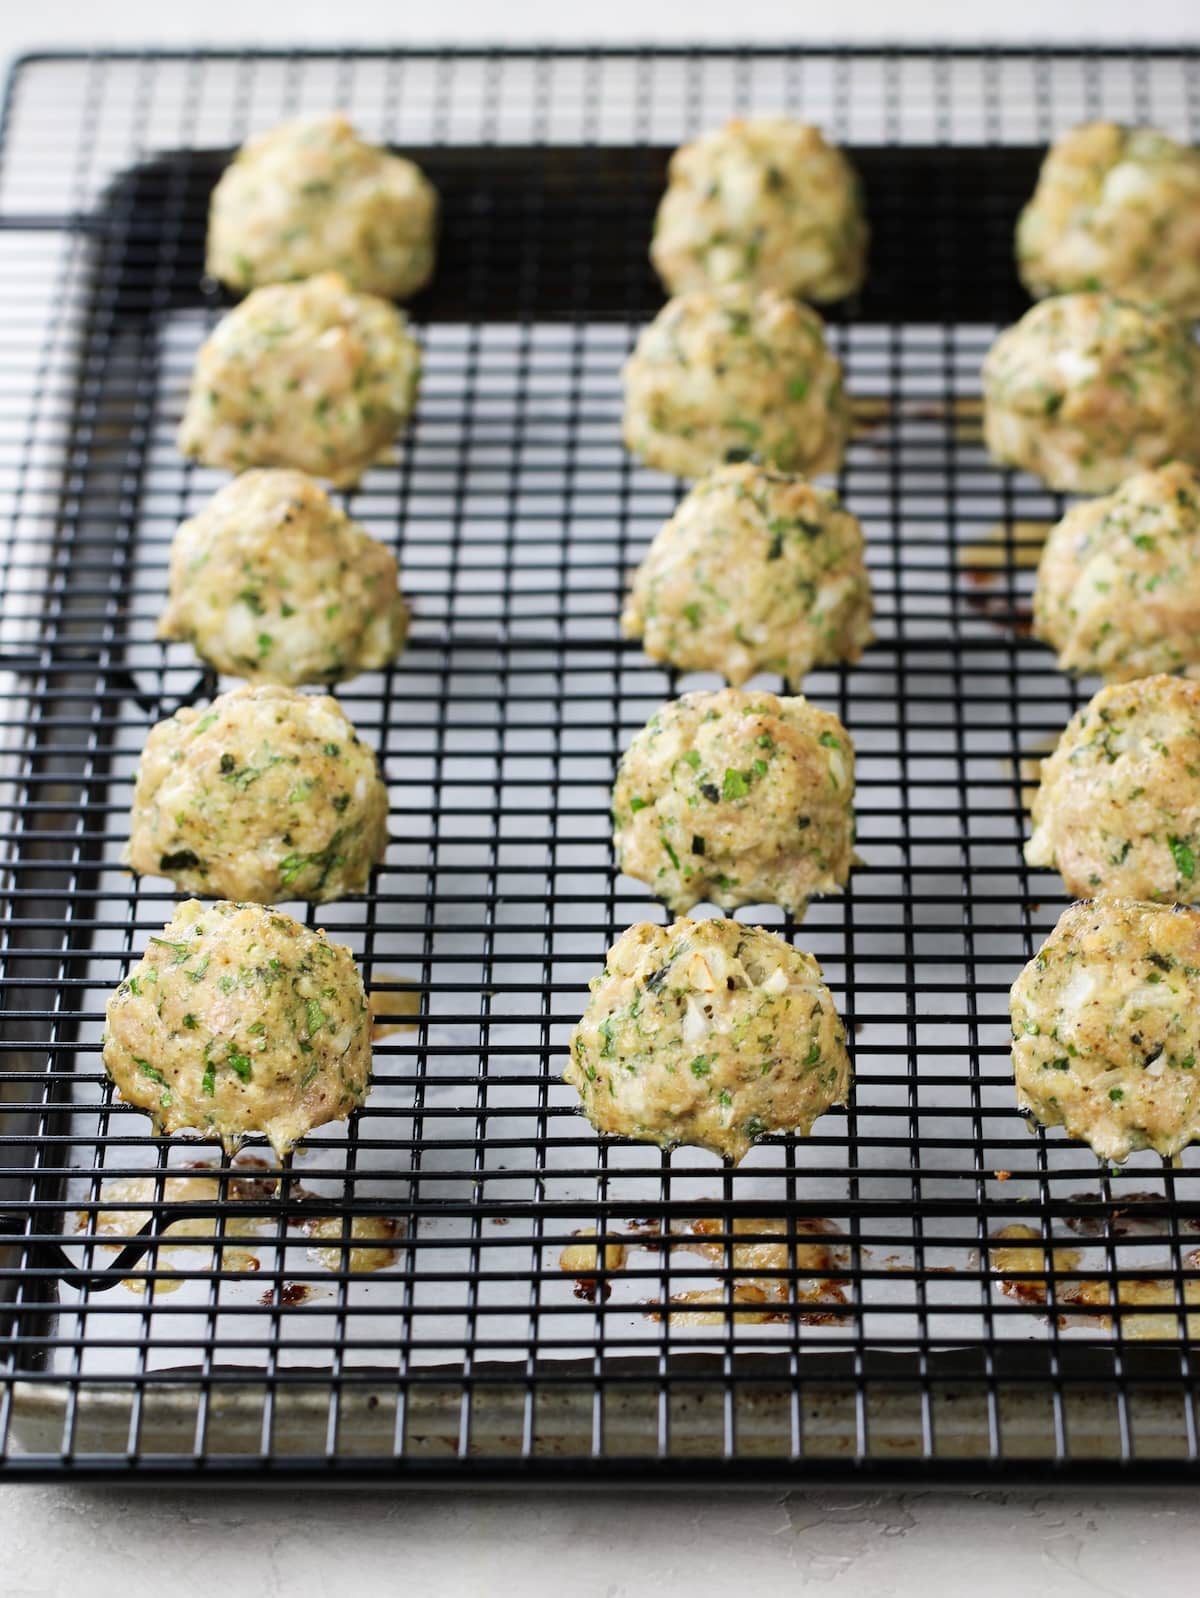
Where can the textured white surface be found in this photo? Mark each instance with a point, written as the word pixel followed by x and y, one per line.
pixel 108 1545
pixel 103 1542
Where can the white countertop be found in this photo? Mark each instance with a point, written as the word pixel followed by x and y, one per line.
pixel 122 1542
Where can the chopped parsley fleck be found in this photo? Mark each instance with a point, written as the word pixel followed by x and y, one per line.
pixel 735 785
pixel 240 1063
pixel 182 950
pixel 701 1065
pixel 1185 860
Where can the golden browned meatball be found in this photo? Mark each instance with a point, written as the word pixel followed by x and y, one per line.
pixel 306 375
pixel 1118 808
pixel 756 571
pixel 274 582
pixel 1118 589
pixel 1086 390
pixel 1106 1027
pixel 238 1020
pixel 737 797
pixel 310 196
pixel 709 1033
pixel 1118 209
pixel 726 375
pixel 267 794
pixel 766 202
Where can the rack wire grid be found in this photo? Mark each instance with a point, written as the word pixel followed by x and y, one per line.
pixel 836 1306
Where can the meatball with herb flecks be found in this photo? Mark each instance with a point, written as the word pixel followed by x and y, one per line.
pixel 737 797
pixel 267 794
pixel 1106 1027
pixel 726 375
pixel 708 1033
pixel 1118 589
pixel 1086 389
pixel 1118 807
pixel 311 196
pixel 1118 209
pixel 303 374
pixel 273 582
pixel 764 201
pixel 239 1020
pixel 756 571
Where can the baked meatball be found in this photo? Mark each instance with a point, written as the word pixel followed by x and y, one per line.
pixel 737 797
pixel 274 582
pixel 1106 1027
pixel 267 794
pixel 306 375
pixel 726 375
pixel 1117 209
pixel 765 202
pixel 709 1033
pixel 1086 390
pixel 1118 807
pixel 238 1020
pixel 311 196
pixel 756 571
pixel 1118 589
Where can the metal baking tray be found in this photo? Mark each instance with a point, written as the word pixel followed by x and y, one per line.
pixel 164 1313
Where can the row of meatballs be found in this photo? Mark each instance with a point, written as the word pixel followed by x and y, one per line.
pixel 729 797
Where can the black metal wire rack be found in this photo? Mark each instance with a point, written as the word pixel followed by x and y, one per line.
pixel 395 1302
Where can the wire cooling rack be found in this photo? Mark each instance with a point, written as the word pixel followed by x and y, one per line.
pixel 163 1311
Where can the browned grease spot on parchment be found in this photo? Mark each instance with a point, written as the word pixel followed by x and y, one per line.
pixel 1006 546
pixel 965 412
pixel 290 1295
pixel 869 412
pixel 374 1232
pixel 395 1004
pixel 1019 1248
pixel 811 1261
pixel 201 1182
pixel 1029 769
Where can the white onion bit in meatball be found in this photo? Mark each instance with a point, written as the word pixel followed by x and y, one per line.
pixel 240 1020
pixel 764 201
pixel 756 571
pixel 1118 807
pixel 727 375
pixel 267 794
pixel 708 1033
pixel 1106 1027
pixel 737 797
pixel 1118 589
pixel 1085 390
pixel 273 582
pixel 304 374
pixel 310 196
pixel 1117 209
